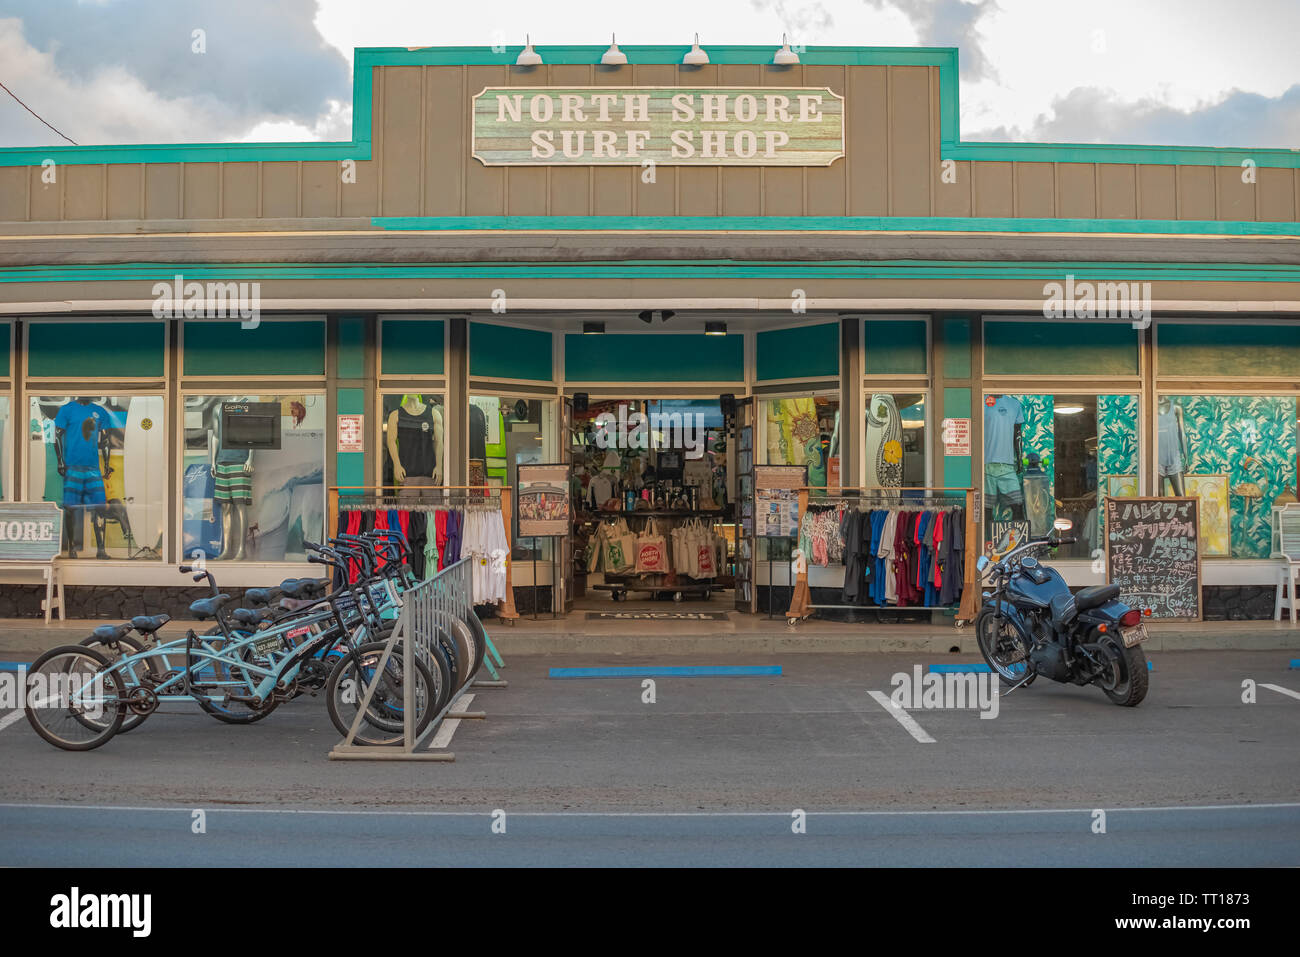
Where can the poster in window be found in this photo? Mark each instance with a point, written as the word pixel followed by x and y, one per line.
pixel 543 500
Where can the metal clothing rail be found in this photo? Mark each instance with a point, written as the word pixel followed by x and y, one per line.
pixel 472 495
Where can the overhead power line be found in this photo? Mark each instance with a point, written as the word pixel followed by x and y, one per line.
pixel 34 113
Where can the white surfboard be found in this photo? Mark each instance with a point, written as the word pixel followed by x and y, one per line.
pixel 145 481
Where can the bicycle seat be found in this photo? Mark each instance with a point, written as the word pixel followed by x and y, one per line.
pixel 301 588
pixel 148 624
pixel 250 616
pixel 208 607
pixel 261 596
pixel 111 632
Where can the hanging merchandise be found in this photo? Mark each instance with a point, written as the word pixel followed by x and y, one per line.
pixel 651 551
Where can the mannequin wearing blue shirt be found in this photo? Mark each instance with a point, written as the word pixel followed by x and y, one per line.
pixel 81 448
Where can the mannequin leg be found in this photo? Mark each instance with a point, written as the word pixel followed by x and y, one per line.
pixel 72 528
pixel 227 530
pixel 1176 483
pixel 99 523
pixel 239 528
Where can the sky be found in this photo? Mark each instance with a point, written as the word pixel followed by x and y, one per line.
pixel 1176 72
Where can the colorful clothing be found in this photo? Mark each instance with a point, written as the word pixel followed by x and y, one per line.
pixel 232 483
pixel 83 485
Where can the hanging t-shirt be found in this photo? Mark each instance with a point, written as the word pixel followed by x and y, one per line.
pixel 81 425
pixel 602 489
pixel 1000 421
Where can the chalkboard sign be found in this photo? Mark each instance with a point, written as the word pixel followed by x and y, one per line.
pixel 1153 554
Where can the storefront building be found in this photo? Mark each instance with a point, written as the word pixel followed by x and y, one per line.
pixel 887 304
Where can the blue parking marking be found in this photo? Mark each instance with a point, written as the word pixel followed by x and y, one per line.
pixel 668 671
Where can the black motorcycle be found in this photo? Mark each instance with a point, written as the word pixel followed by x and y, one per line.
pixel 1030 625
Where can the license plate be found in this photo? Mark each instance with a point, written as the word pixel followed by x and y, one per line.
pixel 267 645
pixel 1134 635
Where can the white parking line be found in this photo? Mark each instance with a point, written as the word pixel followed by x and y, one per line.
pixel 11 718
pixel 449 726
pixel 1280 690
pixel 902 717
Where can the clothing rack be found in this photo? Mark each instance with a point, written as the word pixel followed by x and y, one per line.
pixel 416 498
pixel 801 606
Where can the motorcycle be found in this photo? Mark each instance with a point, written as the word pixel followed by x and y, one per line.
pixel 1030 624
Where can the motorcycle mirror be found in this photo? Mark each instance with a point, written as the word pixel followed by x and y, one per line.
pixel 1063 524
pixel 982 562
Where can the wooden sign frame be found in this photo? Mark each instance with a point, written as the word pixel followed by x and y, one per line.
pixel 1196 524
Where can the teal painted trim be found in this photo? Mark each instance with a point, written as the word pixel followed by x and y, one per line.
pixel 956 468
pixel 955 334
pixel 350 361
pixel 824 224
pixel 665 269
pixel 412 346
pixel 65 350
pixel 508 352
pixel 654 357
pixel 945 58
pixel 1210 349
pixel 1060 347
pixel 282 347
pixel 6 334
pixel 803 352
pixel 895 347
pixel 349 467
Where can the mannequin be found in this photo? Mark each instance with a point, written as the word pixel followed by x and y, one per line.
pixel 1004 420
pixel 415 443
pixel 81 447
pixel 232 472
pixel 1172 455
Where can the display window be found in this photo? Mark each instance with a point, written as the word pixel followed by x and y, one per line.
pixel 1050 456
pixel 803 430
pixel 414 441
pixel 504 433
pixel 254 476
pixel 894 441
pixel 6 452
pixel 1237 454
pixel 103 460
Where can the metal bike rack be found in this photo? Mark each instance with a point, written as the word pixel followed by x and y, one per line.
pixel 426 610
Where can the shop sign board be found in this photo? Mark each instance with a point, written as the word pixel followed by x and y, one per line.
pixel 665 126
pixel 956 436
pixel 543 500
pixel 1153 553
pixel 30 531
pixel 351 433
pixel 776 499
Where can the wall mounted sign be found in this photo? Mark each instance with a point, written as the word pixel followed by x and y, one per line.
pixel 670 126
pixel 351 433
pixel 956 436
pixel 30 531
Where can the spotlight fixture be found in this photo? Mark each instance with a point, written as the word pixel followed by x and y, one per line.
pixel 528 56
pixel 593 328
pixel 613 56
pixel 715 328
pixel 785 56
pixel 648 315
pixel 695 56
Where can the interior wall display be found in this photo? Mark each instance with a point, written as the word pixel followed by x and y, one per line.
pixel 1153 553
pixel 1216 520
pixel 415 452
pixel 804 431
pixel 543 500
pixel 1250 439
pixel 103 459
pixel 670 126
pixel 254 476
pixel 894 440
pixel 507 432
pixel 776 500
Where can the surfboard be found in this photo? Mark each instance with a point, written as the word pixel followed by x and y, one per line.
pixel 144 470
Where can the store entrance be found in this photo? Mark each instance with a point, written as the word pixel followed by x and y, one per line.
pixel 653 493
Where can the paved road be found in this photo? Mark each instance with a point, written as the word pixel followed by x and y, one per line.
pixel 813 738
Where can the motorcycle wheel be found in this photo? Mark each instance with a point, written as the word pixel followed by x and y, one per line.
pixel 1127 683
pixel 997 649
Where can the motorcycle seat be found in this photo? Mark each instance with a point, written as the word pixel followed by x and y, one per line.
pixel 148 624
pixel 1095 595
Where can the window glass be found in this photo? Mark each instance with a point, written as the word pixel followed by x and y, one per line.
pixel 895 440
pixel 1050 456
pixel 103 460
pixel 803 430
pixel 414 440
pixel 6 446
pixel 504 433
pixel 254 468
pixel 1237 453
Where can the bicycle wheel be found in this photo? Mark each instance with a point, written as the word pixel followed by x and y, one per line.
pixel 113 650
pixel 74 700
pixel 216 682
pixel 382 722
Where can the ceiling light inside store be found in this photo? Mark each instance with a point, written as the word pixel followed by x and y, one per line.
pixel 785 56
pixel 613 56
pixel 715 328
pixel 1069 409
pixel 695 56
pixel 528 56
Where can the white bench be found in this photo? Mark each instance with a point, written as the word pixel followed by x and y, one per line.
pixel 31 537
pixel 1286 550
pixel 49 573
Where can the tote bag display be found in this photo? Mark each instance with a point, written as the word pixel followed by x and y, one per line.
pixel 651 550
